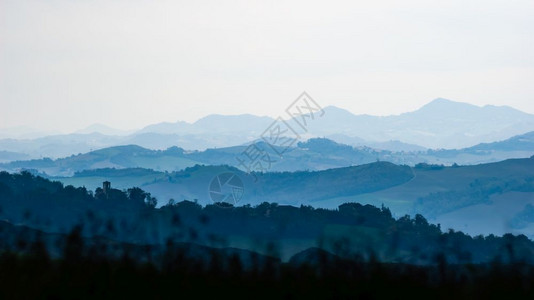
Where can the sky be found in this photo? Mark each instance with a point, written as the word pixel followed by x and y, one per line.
pixel 65 65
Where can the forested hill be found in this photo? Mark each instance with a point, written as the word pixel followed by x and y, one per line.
pixel 352 229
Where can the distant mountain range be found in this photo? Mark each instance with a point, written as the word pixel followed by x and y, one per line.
pixel 439 124
pixel 313 154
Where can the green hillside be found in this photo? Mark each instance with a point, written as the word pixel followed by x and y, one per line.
pixel 439 193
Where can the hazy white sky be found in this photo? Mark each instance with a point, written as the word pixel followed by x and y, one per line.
pixel 67 64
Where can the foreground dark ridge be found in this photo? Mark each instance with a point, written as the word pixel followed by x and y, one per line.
pixel 78 276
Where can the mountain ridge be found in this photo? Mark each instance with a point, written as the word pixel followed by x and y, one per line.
pixel 440 124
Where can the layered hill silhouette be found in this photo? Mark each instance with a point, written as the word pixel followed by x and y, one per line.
pixel 313 154
pixel 439 124
pixel 111 221
pixel 479 199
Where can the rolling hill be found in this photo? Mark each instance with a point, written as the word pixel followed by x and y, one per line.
pixel 478 199
pixel 313 154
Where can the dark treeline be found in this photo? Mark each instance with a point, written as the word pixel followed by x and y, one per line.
pixel 83 274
